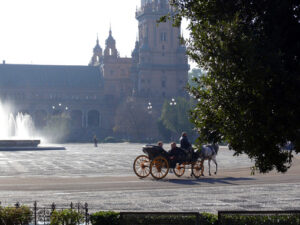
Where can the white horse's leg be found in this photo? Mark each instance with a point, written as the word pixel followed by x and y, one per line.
pixel 215 161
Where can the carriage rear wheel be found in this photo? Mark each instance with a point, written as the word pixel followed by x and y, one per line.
pixel 197 169
pixel 179 169
pixel 159 167
pixel 141 166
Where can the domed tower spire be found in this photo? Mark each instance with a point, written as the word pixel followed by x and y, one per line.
pixel 97 57
pixel 110 29
pixel 110 48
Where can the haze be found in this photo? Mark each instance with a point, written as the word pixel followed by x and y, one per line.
pixel 63 31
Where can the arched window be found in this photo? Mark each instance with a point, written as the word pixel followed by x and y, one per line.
pixel 93 118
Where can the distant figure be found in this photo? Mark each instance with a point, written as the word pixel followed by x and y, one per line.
pixel 95 141
pixel 184 142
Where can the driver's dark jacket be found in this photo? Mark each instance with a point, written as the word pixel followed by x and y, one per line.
pixel 184 142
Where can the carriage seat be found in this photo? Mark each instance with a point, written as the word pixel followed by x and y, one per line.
pixel 153 151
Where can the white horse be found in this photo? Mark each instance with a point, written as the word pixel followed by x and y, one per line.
pixel 209 152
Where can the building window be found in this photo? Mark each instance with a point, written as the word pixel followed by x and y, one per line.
pixel 163 36
pixel 163 83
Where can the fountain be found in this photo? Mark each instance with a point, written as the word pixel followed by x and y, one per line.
pixel 18 132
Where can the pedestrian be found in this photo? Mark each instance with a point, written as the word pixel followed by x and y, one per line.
pixel 95 141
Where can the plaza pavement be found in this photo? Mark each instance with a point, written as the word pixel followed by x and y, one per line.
pixel 104 179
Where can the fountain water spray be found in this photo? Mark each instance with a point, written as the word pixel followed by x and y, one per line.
pixel 18 132
pixel 20 126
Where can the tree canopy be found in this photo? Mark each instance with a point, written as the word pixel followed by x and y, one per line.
pixel 250 96
pixel 175 119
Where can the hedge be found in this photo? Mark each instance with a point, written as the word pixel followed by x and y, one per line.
pixel 105 218
pixel 261 219
pixel 66 217
pixel 15 215
pixel 23 216
pixel 113 218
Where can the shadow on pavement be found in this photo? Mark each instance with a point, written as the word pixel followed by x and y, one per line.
pixel 207 180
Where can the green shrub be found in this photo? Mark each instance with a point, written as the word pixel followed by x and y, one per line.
pixel 105 218
pixel 208 219
pixel 260 220
pixel 113 218
pixel 15 216
pixel 160 219
pixel 111 140
pixel 66 217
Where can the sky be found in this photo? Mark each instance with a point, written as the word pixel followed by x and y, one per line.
pixel 64 32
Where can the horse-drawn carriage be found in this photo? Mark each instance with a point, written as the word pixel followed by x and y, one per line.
pixel 158 162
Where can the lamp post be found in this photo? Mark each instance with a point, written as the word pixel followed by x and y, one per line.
pixel 173 115
pixel 59 108
pixel 149 107
pixel 173 102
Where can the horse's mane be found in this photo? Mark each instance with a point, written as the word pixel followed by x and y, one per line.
pixel 215 147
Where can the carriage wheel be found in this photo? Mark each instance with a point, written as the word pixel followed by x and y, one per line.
pixel 141 166
pixel 179 169
pixel 159 167
pixel 197 169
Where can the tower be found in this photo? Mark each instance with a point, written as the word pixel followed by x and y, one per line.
pixel 116 71
pixel 161 67
pixel 97 58
pixel 110 47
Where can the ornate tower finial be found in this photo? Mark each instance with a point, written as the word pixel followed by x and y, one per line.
pixel 97 39
pixel 110 48
pixel 97 57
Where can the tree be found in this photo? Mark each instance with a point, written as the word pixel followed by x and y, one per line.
pixel 195 73
pixel 175 118
pixel 133 121
pixel 250 96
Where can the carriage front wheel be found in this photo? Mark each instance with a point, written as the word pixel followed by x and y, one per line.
pixel 141 166
pixel 159 167
pixel 197 169
pixel 179 169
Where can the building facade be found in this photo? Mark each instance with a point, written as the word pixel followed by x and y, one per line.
pixel 157 70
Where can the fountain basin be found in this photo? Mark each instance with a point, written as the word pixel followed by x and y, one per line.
pixel 25 145
pixel 19 143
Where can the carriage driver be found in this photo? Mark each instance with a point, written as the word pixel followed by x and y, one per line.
pixel 186 145
pixel 184 141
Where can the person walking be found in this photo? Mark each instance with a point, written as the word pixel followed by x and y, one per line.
pixel 95 141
